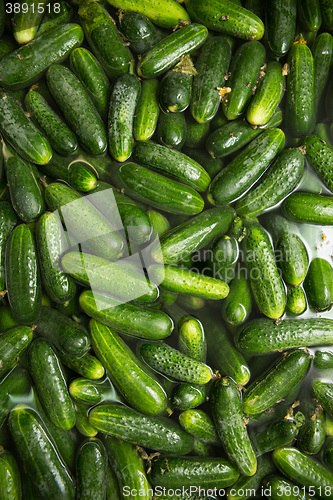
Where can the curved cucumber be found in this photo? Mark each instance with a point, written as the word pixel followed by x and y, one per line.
pixel 310 208
pixel 318 284
pixel 273 435
pixel 147 111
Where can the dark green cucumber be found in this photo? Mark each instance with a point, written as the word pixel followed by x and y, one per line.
pixel 309 14
pixel 172 163
pixel 112 484
pixel 26 21
pixel 280 25
pixel 87 365
pixel 77 109
pixel 237 305
pixel 281 488
pixel 273 435
pixel 227 17
pixel 7 44
pixel 8 221
pixel 59 135
pixel 23 276
pixel 200 426
pixel 322 56
pixel 187 396
pixel 27 64
pixel 124 98
pixel 91 466
pixel 138 386
pixel 14 385
pixel 323 392
pixel 180 280
pixel 296 301
pixel 65 334
pixel 310 208
pixel 48 473
pixel 320 156
pixel 223 258
pixel 262 335
pixel 126 317
pixel 312 433
pixel 6 319
pixel 81 178
pixel 191 338
pixel 328 453
pixel 300 104
pixel 266 283
pixel 94 232
pixel 196 135
pixel 56 16
pixel 292 258
pixel 166 53
pixel 82 423
pixel 158 191
pixel 226 406
pixel 91 392
pixel 21 133
pixel 230 138
pixel 91 74
pixel 47 373
pixel 104 39
pixel 159 222
pixel 323 360
pixel 243 77
pixel 171 130
pixel 246 486
pixel 164 13
pixel 245 169
pixel 304 471
pixel 322 130
pixel 326 12
pixel 147 111
pixel 10 478
pixel 138 30
pixel 13 343
pixel 318 284
pixel 175 89
pixel 286 373
pixel 211 66
pixel 193 235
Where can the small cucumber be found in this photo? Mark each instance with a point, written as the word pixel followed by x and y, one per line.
pixel 87 365
pixel 312 433
pixel 200 426
pixel 10 478
pixel 91 466
pixel 226 406
pixel 147 111
pixel 280 25
pixel 8 221
pixel 81 178
pixel 273 435
pixel 187 396
pixel 320 157
pixel 175 89
pixel 323 392
pixel 310 208
pixel 26 21
pixel 164 13
pixel 292 257
pixel 223 258
pixel 138 30
pixel 191 338
pixel 237 306
pixel 159 222
pixel 82 423
pixel 171 130
pixel 323 360
pixel 158 433
pixel 196 135
pixel 231 137
pixel 318 284
pixel 309 14
pixel 91 392
pixel 322 56
pixel 13 343
pixel 296 301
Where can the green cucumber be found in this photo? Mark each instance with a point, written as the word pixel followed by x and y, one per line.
pixel 237 306
pixel 8 221
pixel 112 485
pixel 175 89
pixel 13 343
pixel 323 360
pixel 196 135
pixel 104 39
pixel 273 435
pixel 81 178
pixel 91 466
pixel 47 373
pixel 187 396
pixel 246 168
pixel 312 433
pixel 25 65
pixel 326 12
pixel 91 392
pixel 309 14
pixel 230 137
pixel 10 478
pixel 171 130
pixel 296 301
pixel 138 386
pixel 15 384
pixel 226 406
pixel 300 104
pixel 158 191
pixel 246 486
pixel 87 365
pixel 226 17
pixel 147 111
pixel 48 473
pixel 138 30
pixel 7 44
pixel 124 98
pixel 166 53
pixel 26 21
pixel 59 135
pixel 172 163
pixel 280 25
pixel 292 257
pixel 77 109
pixel 328 453
pixel 320 156
pixel 190 302
pixel 318 284
pixel 223 258
pixel 262 335
pixel 192 235
pixel 159 222
pixel 322 130
pixel 322 56
pixel 82 423
pixel 191 338
pixel 6 319
pixel 280 488
pixel 211 66
pixel 60 14
pixel 200 426
pixel 243 77
pixel 323 392
pixel 23 276
pixel 310 208
pixel 164 13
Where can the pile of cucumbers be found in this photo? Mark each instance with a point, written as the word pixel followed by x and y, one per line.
pixel 166 279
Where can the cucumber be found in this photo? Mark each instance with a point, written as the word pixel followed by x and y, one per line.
pixel 91 74
pixel 171 130
pixel 322 130
pixel 196 135
pixel 10 478
pixel 328 453
pixel 55 17
pixel 245 169
pixel 279 487
pixel 266 283
pixel 191 338
pixel 229 138
pixel 27 20
pixel 326 12
pixel 262 335
pixel 211 66
pixel 91 467
pixel 157 191
pixel 300 104
pixel 140 32
pixel 200 426
pixel 23 276
pixel 267 96
pixel 124 98
pixel 312 433
pixel 320 157
pixel 159 222
pixel 94 231
pixel 322 56
pixel 192 235
pixel 112 485
pixel 91 392
pixel 147 111
pixel 223 258
pixel 237 306
pixel 318 284
pixel 81 178
pixel 226 17
pixel 77 109
pixel 187 396
pixel 13 385
pixel 226 406
pixel 137 385
pixel 172 363
pixel 296 301
pixel 104 39
pixel 7 43
pixel 48 376
pixel 48 473
pixel 87 365
pixel 166 53
pixel 304 470
pixel 25 65
pixel 8 221
pixel 323 392
pixel 309 14
pixel 184 472
pixel 280 25
pixel 292 257
pixel 21 133
pixel 246 486
pixel 82 423
pixel 6 319
pixel 13 343
pixel 175 89
pixel 126 317
pixel 273 435
pixel 310 208
pixel 243 77
pixel 158 433
pixel 323 360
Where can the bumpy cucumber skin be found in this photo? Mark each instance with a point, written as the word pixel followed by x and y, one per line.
pixel 237 305
pixel 200 425
pixel 91 465
pixel 23 276
pixel 81 178
pixel 87 365
pixel 320 156
pixel 53 19
pixel 292 258
pixel 27 64
pixel 187 396
pixel 323 392
pixel 312 433
pixel 147 111
pixel 10 479
pixel 13 343
pixel 262 336
pixel 273 435
pixel 232 136
pixel 139 31
pixel 280 25
pixel 196 134
pixel 191 338
pixel 328 453
pixel 296 301
pixel 310 208
pixel 318 284
pixel 282 489
pixel 323 360
pixel 175 91
pixel 164 13
pixel 322 57
pixel 171 130
pixel 223 258
pixel 49 474
pixel 8 221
